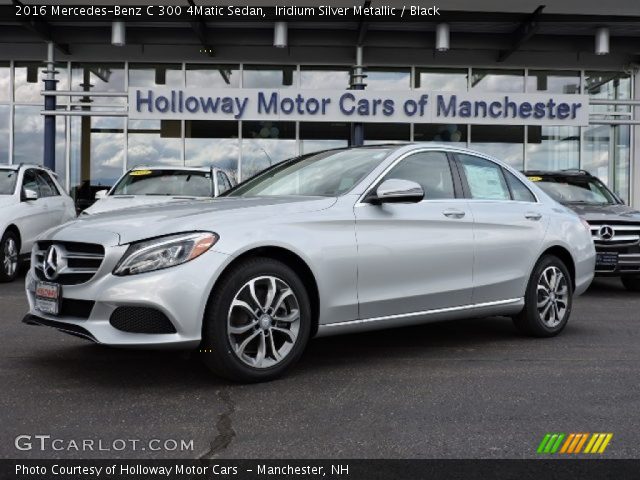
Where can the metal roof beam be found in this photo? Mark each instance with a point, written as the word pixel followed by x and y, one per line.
pixel 523 33
pixel 200 29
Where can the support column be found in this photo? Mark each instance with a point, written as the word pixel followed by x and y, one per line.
pixel 357 83
pixel 635 144
pixel 50 81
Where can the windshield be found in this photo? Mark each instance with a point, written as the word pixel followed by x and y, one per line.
pixel 575 189
pixel 165 182
pixel 327 174
pixel 8 181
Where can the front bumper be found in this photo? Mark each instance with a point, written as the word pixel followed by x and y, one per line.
pixel 180 293
pixel 628 265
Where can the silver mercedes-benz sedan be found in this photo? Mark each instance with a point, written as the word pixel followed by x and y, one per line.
pixel 332 242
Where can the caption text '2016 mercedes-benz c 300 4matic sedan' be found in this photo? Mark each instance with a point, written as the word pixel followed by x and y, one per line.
pixel 332 242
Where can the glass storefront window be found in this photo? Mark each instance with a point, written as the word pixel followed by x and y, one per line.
pixel 608 86
pixel 28 138
pixel 5 81
pixel 98 77
pixel 154 142
pixel 334 78
pixel 269 76
pixel 388 78
pixel 265 144
pixel 212 76
pixel 607 155
pixel 376 133
pixel 504 142
pixel 213 143
pixel 97 156
pixel 553 81
pixel 155 75
pixel 431 132
pixel 552 148
pixel 497 80
pixel 442 79
pixel 5 112
pixel 315 136
pixel 29 84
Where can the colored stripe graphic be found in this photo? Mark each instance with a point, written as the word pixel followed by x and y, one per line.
pixel 573 443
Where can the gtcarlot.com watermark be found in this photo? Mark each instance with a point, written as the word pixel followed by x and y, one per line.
pixel 49 443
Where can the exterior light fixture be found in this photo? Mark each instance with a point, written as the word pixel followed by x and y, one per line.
pixel 118 34
pixel 602 41
pixel 280 31
pixel 442 37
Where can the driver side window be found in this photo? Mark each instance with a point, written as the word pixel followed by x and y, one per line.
pixel 431 170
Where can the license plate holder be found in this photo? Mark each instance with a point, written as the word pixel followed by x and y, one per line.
pixel 48 298
pixel 606 260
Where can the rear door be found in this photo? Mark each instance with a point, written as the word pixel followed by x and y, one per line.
pixel 415 257
pixel 509 227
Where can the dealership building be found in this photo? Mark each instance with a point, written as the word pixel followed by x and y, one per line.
pixel 542 88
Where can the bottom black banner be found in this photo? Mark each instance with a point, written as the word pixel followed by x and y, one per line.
pixel 316 469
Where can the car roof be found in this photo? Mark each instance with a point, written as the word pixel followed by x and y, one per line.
pixel 559 173
pixel 22 165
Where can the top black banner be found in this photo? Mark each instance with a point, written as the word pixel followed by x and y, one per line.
pixel 290 13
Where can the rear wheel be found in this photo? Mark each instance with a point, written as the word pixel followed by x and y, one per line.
pixel 548 299
pixel 257 322
pixel 9 257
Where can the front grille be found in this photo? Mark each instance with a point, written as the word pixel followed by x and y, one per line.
pixel 141 320
pixel 78 262
pixel 624 234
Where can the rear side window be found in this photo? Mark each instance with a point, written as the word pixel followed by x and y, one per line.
pixel 431 170
pixel 519 190
pixel 485 178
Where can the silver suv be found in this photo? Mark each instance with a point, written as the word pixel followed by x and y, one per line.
pixel 332 242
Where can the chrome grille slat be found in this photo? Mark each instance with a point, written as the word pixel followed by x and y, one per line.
pixel 80 261
pixel 625 234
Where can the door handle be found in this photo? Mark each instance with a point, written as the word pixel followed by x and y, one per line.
pixel 533 216
pixel 453 213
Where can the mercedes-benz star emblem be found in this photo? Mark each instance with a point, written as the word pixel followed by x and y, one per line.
pixel 606 232
pixel 52 263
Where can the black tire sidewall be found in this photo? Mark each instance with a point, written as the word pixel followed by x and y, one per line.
pixel 3 276
pixel 631 283
pixel 531 300
pixel 216 350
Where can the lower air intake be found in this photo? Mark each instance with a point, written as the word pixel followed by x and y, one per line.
pixel 141 320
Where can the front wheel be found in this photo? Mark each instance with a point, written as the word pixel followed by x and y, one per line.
pixel 257 323
pixel 631 283
pixel 9 257
pixel 548 299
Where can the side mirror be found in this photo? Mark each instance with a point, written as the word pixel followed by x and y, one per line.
pixel 29 195
pixel 100 194
pixel 397 191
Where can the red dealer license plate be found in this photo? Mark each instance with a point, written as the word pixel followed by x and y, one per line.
pixel 48 298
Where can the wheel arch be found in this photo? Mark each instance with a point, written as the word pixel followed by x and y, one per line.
pixel 565 255
pixel 291 259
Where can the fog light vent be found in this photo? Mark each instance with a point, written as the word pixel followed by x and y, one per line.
pixel 141 320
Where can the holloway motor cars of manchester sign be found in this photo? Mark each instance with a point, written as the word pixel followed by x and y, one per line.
pixel 415 106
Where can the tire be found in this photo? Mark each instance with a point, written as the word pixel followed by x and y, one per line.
pixel 9 257
pixel 245 343
pixel 551 317
pixel 631 283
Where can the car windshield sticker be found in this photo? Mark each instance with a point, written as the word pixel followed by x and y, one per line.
pixel 140 173
pixel 535 179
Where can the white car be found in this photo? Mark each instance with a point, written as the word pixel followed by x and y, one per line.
pixel 31 202
pixel 154 185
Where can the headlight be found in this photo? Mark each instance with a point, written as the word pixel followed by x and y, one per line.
pixel 164 252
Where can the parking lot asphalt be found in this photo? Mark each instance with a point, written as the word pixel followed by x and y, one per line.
pixel 465 389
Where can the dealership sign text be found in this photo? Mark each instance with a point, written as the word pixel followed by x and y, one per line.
pixel 358 106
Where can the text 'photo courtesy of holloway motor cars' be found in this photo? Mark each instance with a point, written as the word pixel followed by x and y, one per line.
pixel 339 241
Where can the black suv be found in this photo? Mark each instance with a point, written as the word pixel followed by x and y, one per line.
pixel 615 227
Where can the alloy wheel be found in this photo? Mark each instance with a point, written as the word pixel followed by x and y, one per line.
pixel 263 322
pixel 10 263
pixel 553 296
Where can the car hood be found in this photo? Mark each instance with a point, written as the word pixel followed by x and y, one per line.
pixel 601 213
pixel 118 202
pixel 139 223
